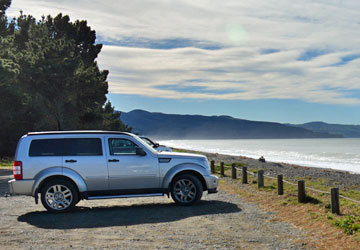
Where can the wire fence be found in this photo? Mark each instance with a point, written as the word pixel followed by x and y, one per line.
pixel 295 184
pixel 349 199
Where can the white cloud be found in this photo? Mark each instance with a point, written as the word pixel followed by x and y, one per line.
pixel 239 70
pixel 246 74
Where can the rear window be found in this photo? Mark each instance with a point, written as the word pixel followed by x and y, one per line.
pixel 82 146
pixel 46 147
pixel 66 147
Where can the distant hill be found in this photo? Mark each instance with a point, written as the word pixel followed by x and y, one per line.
pixel 169 126
pixel 348 131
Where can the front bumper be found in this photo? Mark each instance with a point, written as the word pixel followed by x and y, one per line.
pixel 211 183
pixel 21 187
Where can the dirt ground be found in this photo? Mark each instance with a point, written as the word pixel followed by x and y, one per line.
pixel 219 221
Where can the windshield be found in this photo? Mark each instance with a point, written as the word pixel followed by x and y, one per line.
pixel 149 142
pixel 145 144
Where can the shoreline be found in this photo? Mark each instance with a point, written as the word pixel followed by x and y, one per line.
pixel 334 177
pixel 340 154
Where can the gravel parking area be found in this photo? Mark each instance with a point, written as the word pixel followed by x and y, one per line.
pixel 219 221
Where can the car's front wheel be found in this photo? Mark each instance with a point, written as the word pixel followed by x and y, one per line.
pixel 59 196
pixel 186 190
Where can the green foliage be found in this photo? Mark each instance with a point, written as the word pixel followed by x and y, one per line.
pixel 187 151
pixel 5 27
pixel 4 5
pixel 49 78
pixel 350 224
pixel 111 119
pixel 6 162
pixel 329 216
pixel 283 203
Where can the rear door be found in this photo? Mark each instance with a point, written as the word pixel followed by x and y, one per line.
pixel 87 157
pixel 128 171
pixel 43 154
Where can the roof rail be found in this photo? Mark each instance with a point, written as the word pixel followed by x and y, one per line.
pixel 77 132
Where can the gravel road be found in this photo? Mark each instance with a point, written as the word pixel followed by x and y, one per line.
pixel 219 221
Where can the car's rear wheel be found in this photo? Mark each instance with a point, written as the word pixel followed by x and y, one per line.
pixel 59 196
pixel 186 190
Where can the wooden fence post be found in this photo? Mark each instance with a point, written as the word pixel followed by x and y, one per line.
pixel 244 175
pixel 260 178
pixel 212 167
pixel 280 184
pixel 301 191
pixel 233 171
pixel 222 169
pixel 335 201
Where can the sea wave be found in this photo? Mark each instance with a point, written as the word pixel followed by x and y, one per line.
pixel 341 154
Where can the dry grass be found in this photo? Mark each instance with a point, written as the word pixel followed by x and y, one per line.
pixel 314 217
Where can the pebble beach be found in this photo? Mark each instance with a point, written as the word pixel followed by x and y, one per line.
pixel 333 177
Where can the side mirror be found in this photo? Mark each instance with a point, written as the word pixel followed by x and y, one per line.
pixel 156 145
pixel 140 151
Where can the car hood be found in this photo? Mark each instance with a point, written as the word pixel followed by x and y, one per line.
pixel 180 155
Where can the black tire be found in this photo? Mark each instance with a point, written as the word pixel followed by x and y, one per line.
pixel 59 196
pixel 186 190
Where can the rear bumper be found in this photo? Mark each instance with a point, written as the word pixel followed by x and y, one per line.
pixel 21 187
pixel 211 183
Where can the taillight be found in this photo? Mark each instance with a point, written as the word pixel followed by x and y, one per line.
pixel 17 170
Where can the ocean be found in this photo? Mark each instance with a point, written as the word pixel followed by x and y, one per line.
pixel 341 154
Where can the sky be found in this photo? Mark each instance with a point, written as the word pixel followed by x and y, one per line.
pixel 289 61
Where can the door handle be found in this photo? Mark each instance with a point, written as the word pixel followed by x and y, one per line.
pixel 71 161
pixel 113 160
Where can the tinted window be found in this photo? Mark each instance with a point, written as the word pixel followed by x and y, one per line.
pixel 46 147
pixel 82 146
pixel 121 147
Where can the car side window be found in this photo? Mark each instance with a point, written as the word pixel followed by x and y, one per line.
pixel 46 147
pixel 82 147
pixel 120 146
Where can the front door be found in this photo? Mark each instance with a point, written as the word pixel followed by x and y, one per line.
pixel 128 171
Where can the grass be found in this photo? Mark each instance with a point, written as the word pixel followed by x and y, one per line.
pixel 350 224
pixel 326 230
pixel 6 162
pixel 186 151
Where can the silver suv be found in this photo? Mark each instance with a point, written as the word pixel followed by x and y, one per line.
pixel 68 166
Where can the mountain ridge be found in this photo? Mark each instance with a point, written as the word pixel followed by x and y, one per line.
pixel 175 126
pixel 347 131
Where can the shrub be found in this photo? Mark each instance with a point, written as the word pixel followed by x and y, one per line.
pixel 350 224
